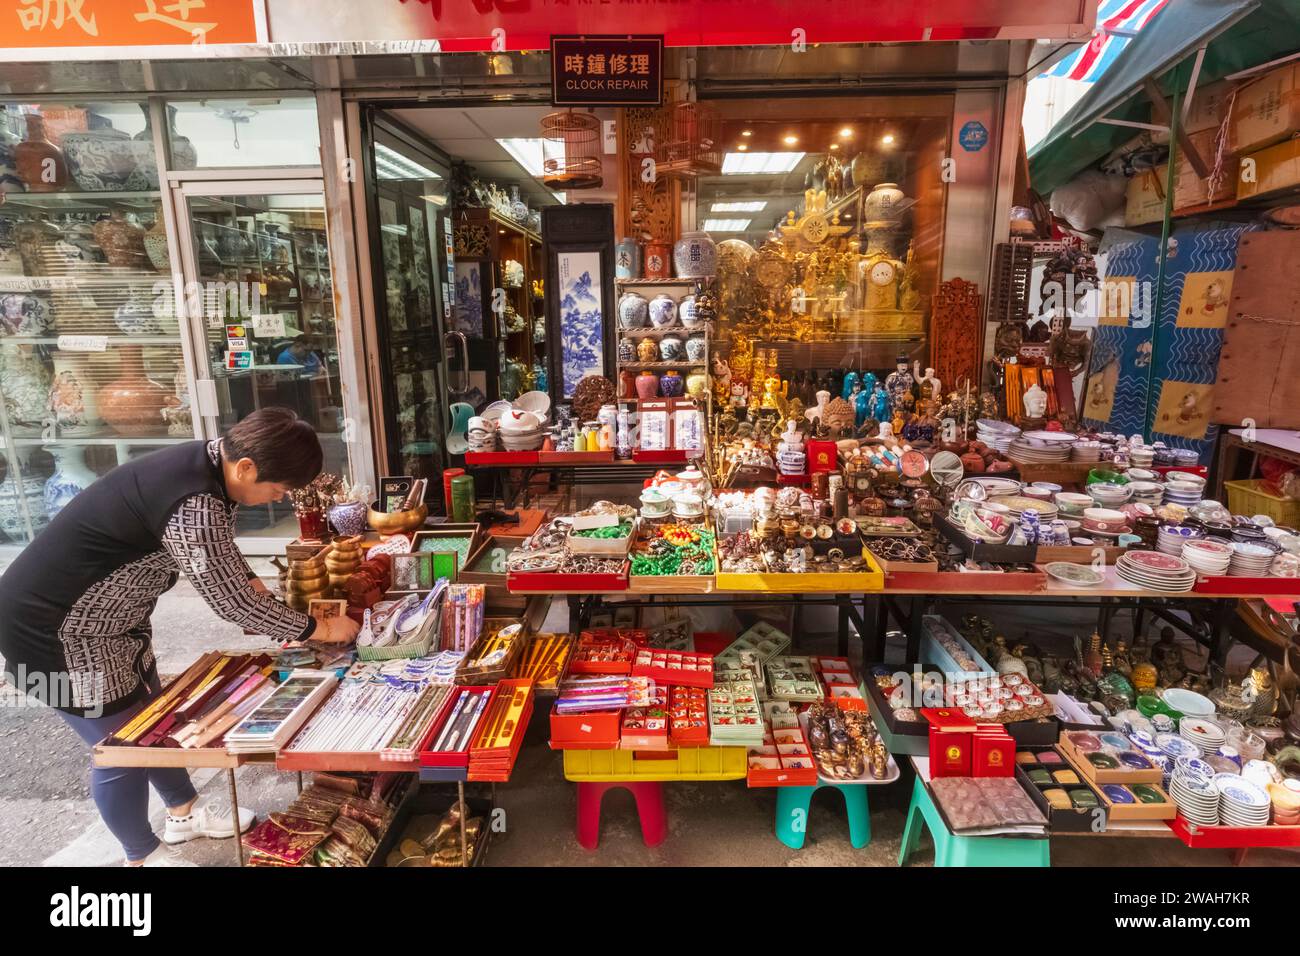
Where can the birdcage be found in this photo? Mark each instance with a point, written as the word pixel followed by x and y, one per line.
pixel 693 144
pixel 571 150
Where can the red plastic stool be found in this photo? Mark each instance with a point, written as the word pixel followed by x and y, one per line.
pixel 649 798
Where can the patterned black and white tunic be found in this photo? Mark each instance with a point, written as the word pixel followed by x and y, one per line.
pixel 75 605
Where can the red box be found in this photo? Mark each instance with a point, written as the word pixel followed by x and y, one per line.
pixel 688 716
pixel 950 753
pixel 993 754
pixel 597 730
pixel 822 456
pixel 646 728
pixel 460 756
pixel 948 718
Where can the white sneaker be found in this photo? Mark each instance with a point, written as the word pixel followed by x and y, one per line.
pixel 162 856
pixel 205 821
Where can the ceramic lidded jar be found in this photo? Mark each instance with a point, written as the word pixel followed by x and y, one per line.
pixel 695 256
pixel 697 385
pixel 627 259
pixel 688 314
pixel 670 349
pixel 121 240
pixel 26 386
pixel 633 311
pixel 658 260
pixel 39 162
pixel 663 311
pixel 155 243
pixel 696 347
pixel 626 350
pixel 647 350
pixel 647 386
pixel 671 384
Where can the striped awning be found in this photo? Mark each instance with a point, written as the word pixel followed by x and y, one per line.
pixel 1117 20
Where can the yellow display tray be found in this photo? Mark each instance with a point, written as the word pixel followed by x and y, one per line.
pixel 690 763
pixel 831 582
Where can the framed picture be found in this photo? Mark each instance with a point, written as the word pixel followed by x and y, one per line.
pixel 413 572
pixel 393 490
pixel 579 243
pixel 323 609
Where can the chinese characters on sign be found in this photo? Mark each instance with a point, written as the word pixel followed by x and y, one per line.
pixel 606 70
pixel 116 23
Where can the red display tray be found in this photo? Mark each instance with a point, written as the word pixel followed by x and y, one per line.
pixel 501 458
pixel 575 457
pixel 551 581
pixel 701 677
pixel 459 757
pixel 665 457
pixel 975 582
pixel 591 731
pixel 792 479
pixel 1228 584
pixel 1233 838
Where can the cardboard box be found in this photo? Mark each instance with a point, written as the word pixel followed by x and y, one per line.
pixel 1191 192
pixel 1144 201
pixel 1276 168
pixel 1266 110
pixel 1209 105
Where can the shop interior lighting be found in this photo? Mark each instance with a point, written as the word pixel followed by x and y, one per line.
pixel 846 132
pixel 742 147
pixel 390 164
pixel 742 164
pixel 526 152
pixel 887 139
pixel 726 225
pixel 755 205
pixel 790 139
pixel 746 132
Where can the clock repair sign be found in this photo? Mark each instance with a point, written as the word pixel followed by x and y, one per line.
pixel 607 70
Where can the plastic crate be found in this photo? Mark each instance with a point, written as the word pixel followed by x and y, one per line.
pixel 1250 498
pixel 690 763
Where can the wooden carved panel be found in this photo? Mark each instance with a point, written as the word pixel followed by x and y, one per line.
pixel 647 210
pixel 955 333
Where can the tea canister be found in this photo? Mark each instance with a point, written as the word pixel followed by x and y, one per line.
pixel 663 311
pixel 697 384
pixel 627 259
pixel 687 313
pixel 647 385
pixel 647 350
pixel 658 260
pixel 670 349
pixel 626 350
pixel 633 311
pixel 671 385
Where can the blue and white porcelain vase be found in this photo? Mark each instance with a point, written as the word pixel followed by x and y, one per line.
pixel 633 311
pixel 695 256
pixel 349 518
pixel 25 382
pixel 627 259
pixel 15 500
pixel 663 311
pixel 71 477
pixel 696 347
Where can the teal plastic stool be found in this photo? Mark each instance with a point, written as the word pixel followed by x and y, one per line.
pixel 953 850
pixel 792 814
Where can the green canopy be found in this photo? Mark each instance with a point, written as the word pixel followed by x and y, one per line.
pixel 1238 34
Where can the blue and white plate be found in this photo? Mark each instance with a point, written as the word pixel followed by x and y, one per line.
pixel 1242 792
pixel 1176 746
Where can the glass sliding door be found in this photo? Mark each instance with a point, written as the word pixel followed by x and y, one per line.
pixel 259 299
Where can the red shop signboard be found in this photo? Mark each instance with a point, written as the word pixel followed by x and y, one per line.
pixel 486 25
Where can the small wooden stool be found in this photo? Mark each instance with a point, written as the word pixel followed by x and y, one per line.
pixel 792 806
pixel 953 850
pixel 649 798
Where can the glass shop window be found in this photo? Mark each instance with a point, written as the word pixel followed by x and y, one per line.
pixel 213 134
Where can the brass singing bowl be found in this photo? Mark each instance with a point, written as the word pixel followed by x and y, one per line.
pixel 397 522
pixel 313 583
pixel 346 544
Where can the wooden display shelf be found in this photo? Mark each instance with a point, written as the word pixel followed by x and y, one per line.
pixel 198 758
pixel 338 761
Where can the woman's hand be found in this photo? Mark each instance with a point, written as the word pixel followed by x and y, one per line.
pixel 336 630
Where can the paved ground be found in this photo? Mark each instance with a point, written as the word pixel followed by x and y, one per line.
pixel 47 817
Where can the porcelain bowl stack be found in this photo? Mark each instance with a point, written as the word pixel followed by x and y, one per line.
pixel 1192 787
pixel 1173 538
pixel 1241 803
pixel 1108 495
pixel 1184 491
pixel 1203 732
pixel 521 430
pixel 996 434
pixel 1016 505
pixel 1208 556
pixel 1088 451
pixel 1141 456
pixel 1155 571
pixel 1149 493
pixel 1250 560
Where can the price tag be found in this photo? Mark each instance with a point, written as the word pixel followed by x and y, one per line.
pixel 83 343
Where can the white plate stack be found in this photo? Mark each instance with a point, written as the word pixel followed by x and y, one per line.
pixel 1208 556
pixel 1155 571
pixel 1038 452
pixel 1172 538
pixel 1285 566
pixel 1250 560
pixel 996 434
pixel 1192 787
pixel 1203 732
pixel 1241 803
pixel 1141 456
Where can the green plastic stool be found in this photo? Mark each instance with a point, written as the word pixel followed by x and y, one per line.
pixel 792 805
pixel 953 850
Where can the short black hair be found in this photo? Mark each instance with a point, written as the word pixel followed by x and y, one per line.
pixel 282 446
